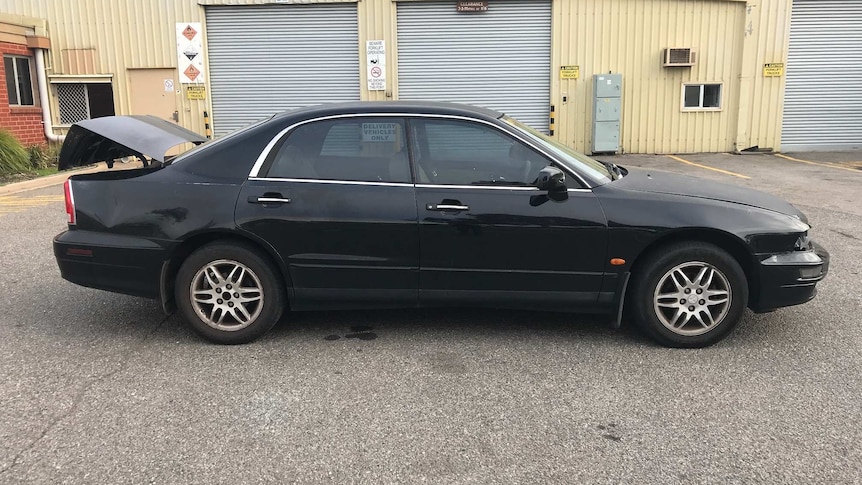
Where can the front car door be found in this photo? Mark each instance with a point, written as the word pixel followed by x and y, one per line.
pixel 335 199
pixel 488 235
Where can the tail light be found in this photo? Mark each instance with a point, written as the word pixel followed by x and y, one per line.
pixel 70 201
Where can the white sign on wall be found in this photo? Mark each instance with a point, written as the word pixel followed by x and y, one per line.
pixel 375 55
pixel 190 55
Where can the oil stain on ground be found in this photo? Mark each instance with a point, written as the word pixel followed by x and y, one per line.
pixel 358 332
pixel 612 433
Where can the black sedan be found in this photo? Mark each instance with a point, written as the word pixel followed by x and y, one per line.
pixel 397 204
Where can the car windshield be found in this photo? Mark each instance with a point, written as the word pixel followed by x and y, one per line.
pixel 217 141
pixel 578 162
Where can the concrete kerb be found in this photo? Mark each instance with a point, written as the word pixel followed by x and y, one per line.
pixel 47 181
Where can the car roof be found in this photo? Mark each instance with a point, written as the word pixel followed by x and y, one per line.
pixel 409 107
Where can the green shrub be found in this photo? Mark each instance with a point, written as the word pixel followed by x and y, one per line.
pixel 38 157
pixel 53 153
pixel 13 157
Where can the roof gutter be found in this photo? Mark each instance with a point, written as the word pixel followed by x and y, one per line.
pixel 42 80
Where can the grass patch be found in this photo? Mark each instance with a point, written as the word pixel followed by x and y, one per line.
pixel 42 172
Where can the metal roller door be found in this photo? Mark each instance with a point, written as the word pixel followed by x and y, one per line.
pixel 264 60
pixel 499 59
pixel 823 93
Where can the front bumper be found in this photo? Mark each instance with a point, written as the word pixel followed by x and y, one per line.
pixel 788 279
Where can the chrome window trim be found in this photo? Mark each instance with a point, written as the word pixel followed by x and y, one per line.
pixel 492 187
pixel 337 182
pixel 255 169
pixel 403 184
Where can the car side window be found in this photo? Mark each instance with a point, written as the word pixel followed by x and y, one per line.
pixel 354 149
pixel 454 152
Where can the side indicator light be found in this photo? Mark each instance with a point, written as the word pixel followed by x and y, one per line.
pixel 618 261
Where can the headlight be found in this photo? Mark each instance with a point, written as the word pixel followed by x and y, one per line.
pixel 803 243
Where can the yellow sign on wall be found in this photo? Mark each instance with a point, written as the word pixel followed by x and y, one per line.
pixel 776 69
pixel 196 92
pixel 570 72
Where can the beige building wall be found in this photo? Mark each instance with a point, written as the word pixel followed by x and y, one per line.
pixel 732 38
pixel 112 37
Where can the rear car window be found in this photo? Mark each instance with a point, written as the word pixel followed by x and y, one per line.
pixel 352 149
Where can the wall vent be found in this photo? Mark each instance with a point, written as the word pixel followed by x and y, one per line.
pixel 678 56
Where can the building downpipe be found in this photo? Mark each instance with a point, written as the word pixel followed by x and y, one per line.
pixel 42 81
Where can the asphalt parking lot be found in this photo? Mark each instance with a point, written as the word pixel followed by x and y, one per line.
pixel 104 388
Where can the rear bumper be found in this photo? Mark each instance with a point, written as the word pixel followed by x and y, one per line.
pixel 121 264
pixel 790 278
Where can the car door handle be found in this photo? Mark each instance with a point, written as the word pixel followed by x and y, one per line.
pixel 268 200
pixel 447 207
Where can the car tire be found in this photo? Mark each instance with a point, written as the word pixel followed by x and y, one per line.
pixel 688 295
pixel 229 293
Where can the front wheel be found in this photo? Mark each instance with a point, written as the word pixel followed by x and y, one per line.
pixel 689 295
pixel 228 293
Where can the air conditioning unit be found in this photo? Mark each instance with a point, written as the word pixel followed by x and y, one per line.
pixel 678 56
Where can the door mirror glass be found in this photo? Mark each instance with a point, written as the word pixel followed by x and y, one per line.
pixel 551 179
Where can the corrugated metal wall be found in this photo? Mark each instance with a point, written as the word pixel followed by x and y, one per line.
pixel 733 39
pixel 497 59
pixel 823 97
pixel 267 59
pixel 767 25
pixel 628 37
pixel 126 34
pixel 377 22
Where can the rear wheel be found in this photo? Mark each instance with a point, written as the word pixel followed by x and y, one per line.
pixel 228 293
pixel 689 295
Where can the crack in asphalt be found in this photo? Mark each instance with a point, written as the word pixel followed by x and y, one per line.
pixel 124 363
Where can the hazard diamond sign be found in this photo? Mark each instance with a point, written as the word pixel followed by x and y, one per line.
pixel 190 57
pixel 189 32
pixel 191 72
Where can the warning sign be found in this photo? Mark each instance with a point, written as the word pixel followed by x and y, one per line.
pixel 775 69
pixel 196 91
pixel 468 6
pixel 190 60
pixel 570 72
pixel 191 73
pixel 379 132
pixel 375 55
pixel 189 32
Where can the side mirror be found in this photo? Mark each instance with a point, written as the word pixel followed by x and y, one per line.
pixel 551 179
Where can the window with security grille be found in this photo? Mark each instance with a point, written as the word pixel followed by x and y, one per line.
pixel 82 101
pixel 74 106
pixel 19 80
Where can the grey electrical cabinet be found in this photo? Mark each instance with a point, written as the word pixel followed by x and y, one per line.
pixel 607 108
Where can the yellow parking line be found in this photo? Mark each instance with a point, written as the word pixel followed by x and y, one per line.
pixel 709 168
pixel 829 165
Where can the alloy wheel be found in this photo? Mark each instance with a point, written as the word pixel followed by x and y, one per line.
pixel 692 298
pixel 226 295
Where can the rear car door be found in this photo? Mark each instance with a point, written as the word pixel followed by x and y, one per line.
pixel 335 199
pixel 487 234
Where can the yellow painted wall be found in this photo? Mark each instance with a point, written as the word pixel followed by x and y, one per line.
pixel 732 38
pixel 628 37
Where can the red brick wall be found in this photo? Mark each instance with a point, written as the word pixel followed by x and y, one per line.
pixel 25 122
